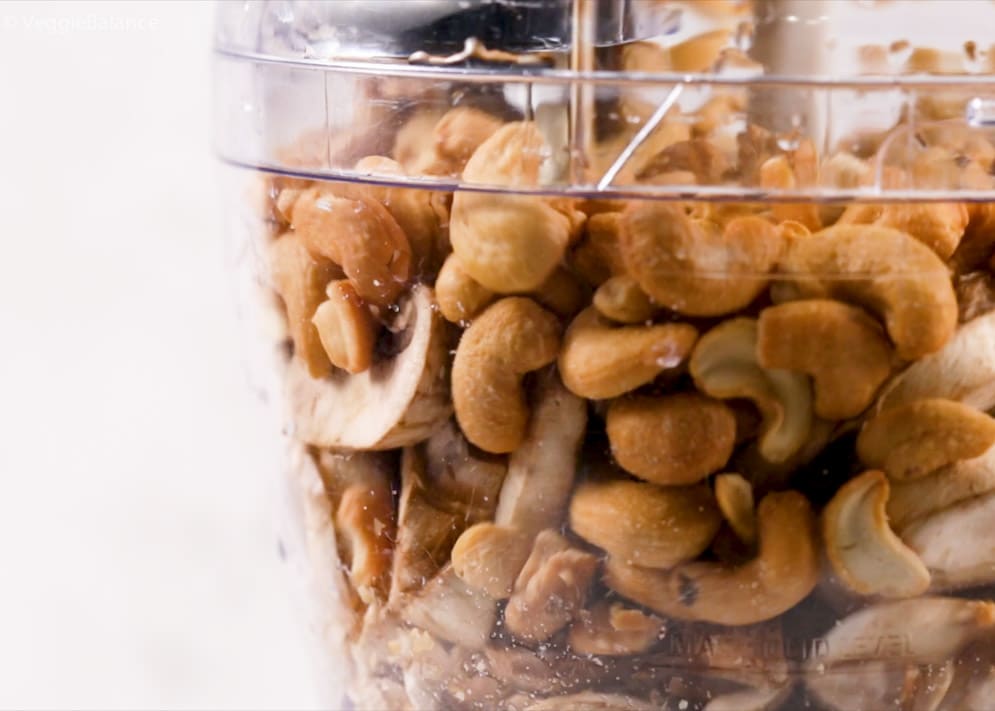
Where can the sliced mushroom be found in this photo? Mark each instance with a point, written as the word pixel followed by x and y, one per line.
pixel 963 370
pixel 956 544
pixel 766 699
pixel 945 487
pixel 882 684
pixel 593 701
pixel 912 440
pixel 459 477
pixel 864 551
pixel 734 495
pixel 611 629
pixel 451 610
pixel 541 471
pixel 840 346
pixel 396 402
pixel 784 572
pixel 724 365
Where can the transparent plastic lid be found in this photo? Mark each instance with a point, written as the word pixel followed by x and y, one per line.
pixel 867 100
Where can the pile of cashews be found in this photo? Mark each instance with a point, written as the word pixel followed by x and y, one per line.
pixel 554 436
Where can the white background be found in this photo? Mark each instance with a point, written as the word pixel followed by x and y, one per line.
pixel 138 564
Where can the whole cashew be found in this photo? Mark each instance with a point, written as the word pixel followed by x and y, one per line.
pixel 598 257
pixel 891 273
pixel 460 297
pixel 841 347
pixel 620 299
pixel 938 225
pixel 511 243
pixel 784 572
pixel 643 524
pixel 600 361
pixel 671 440
pixel 489 557
pixel 695 267
pixel 361 236
pixel 346 328
pixel 514 336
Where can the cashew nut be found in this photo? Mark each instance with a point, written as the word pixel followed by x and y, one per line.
pixel 620 299
pixel 300 280
pixel 695 267
pixel 784 572
pixel 345 327
pixel 776 173
pixel 912 440
pixel 697 156
pixel 361 236
pixel 598 256
pixel 864 551
pixel 891 273
pixel 551 588
pixel 460 132
pixel 541 471
pixel 611 629
pixel 975 294
pixel 600 361
pixel 395 402
pixel 671 440
pixel 642 524
pixel 955 544
pixel 945 487
pixel 460 297
pixel 841 347
pixel 514 336
pixel 938 225
pixel 488 557
pixel 734 495
pixel 963 370
pixel 724 365
pixel 511 243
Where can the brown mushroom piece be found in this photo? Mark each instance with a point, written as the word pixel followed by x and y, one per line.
pixel 912 440
pixel 963 370
pixel 955 544
pixel 840 346
pixel 762 699
pixel 863 550
pixel 643 524
pixel 891 273
pixel 395 402
pixel 611 629
pixel 592 701
pixel 451 610
pixel 783 573
pixel 671 440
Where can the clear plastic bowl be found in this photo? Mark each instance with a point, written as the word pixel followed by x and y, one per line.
pixel 631 355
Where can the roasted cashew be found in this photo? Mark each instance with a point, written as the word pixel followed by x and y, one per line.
pixel 734 495
pixel 784 572
pixel 695 267
pixel 642 524
pixel 955 543
pixel 541 470
pixel 460 132
pixel 300 280
pixel 611 629
pixel 841 347
pixel 975 294
pixel 345 327
pixel 488 557
pixel 460 297
pixel 600 361
pixel 697 156
pixel 395 402
pixel 551 588
pixel 361 236
pixel 724 365
pixel 938 225
pixel 912 440
pixel 963 370
pixel 598 256
pixel 511 243
pixel 891 273
pixel 865 553
pixel 514 336
pixel 777 174
pixel 620 299
pixel 945 487
pixel 671 440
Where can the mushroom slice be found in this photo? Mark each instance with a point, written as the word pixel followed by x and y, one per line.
pixel 882 684
pixel 943 488
pixel 734 495
pixel 840 346
pixel 593 701
pixel 611 629
pixel 396 402
pixel 766 699
pixel 912 440
pixel 541 471
pixel 724 365
pixel 864 551
pixel 963 370
pixel 956 544
pixel 451 610
pixel 784 572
